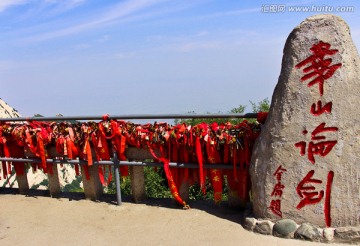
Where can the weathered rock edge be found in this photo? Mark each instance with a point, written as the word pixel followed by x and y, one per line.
pixel 290 117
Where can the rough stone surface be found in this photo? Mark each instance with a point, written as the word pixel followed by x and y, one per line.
pixel 249 223
pixel 23 184
pixel 137 183
pixel 184 191
pixel 285 228
pixel 333 204
pixel 6 111
pixel 264 227
pixel 135 154
pixel 54 183
pixel 328 234
pixel 347 234
pixel 92 188
pixel 308 232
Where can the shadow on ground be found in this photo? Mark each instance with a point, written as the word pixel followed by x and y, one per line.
pixel 223 210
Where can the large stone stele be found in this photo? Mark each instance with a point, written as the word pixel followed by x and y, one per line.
pixel 330 195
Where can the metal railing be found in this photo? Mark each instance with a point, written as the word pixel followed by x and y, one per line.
pixel 115 162
pixel 133 117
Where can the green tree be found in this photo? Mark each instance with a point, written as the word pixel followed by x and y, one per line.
pixel 262 106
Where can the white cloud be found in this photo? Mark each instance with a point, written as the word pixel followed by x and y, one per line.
pixel 66 4
pixel 5 4
pixel 120 12
pixel 187 47
pixel 125 55
pixel 81 46
pixel 57 7
pixel 103 39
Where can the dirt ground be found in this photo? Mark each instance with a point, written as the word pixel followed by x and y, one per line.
pixel 37 219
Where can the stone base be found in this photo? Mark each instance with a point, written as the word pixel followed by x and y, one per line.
pixel 23 184
pixel 184 191
pixel 92 188
pixel 54 184
pixel 137 183
pixel 287 228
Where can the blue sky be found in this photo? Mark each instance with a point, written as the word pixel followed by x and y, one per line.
pixel 86 57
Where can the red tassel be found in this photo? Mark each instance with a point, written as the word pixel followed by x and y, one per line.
pixel 95 143
pixel 9 171
pixel 4 169
pixel 19 169
pixel 124 171
pixel 87 152
pixel 69 145
pixel 17 151
pixel 171 183
pixel 77 171
pixel 122 149
pixel 215 174
pixel 50 169
pixel 41 153
pixel 104 150
pixel 86 170
pixel 109 175
pixel 261 117
pixel 101 175
pixel 200 160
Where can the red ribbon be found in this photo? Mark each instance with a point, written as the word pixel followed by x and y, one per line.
pixel 171 183
pixel 199 155
pixel 215 174
pixel 261 117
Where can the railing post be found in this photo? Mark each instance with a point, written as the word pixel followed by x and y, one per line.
pixel 54 184
pixel 184 191
pixel 23 183
pixel 117 177
pixel 137 176
pixel 92 188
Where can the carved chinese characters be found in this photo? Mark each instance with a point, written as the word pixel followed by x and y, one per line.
pixel 321 68
pixel 312 131
pixel 308 194
pixel 275 204
pixel 316 147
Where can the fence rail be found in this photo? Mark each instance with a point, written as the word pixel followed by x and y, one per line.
pixel 121 163
pixel 133 117
pixel 115 162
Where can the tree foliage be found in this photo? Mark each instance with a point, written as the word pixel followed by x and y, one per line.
pixel 262 106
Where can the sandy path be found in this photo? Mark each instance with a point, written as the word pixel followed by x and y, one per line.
pixel 40 220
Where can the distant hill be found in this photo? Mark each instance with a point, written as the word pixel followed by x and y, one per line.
pixel 6 111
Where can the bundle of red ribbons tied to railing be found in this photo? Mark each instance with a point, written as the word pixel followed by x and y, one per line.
pixel 204 143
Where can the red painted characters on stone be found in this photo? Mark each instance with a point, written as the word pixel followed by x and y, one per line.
pixel 321 148
pixel 275 204
pixel 319 68
pixel 308 194
pixel 275 207
pixel 319 110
